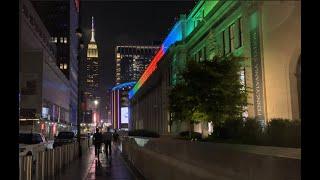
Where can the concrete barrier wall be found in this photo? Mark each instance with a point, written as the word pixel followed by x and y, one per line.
pixel 177 159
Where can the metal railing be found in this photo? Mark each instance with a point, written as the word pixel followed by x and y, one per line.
pixel 45 164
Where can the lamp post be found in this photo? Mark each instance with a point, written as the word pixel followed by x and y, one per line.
pixel 96 102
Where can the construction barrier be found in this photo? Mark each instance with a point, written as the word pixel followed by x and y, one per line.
pixel 45 164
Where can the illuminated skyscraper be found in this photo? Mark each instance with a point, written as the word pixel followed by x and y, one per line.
pixel 131 61
pixel 91 72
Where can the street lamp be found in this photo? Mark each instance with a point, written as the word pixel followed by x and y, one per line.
pixel 96 102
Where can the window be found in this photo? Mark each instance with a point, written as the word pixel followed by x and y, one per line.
pixel 243 78
pixel 200 55
pixel 232 39
pixel 61 66
pixel 226 42
pixel 65 40
pixel 243 82
pixel 65 66
pixel 240 35
pixel 54 39
pixel 61 39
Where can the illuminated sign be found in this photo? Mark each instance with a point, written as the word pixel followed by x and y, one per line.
pixel 124 115
pixel 45 112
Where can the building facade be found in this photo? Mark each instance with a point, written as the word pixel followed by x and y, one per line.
pixel 44 89
pixel 120 105
pixel 91 76
pixel 266 33
pixel 131 61
pixel 60 18
pixel 108 106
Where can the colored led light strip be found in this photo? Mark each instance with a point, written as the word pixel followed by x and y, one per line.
pixel 174 36
pixel 118 92
pixel 127 84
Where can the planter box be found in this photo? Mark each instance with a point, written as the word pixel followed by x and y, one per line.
pixel 159 158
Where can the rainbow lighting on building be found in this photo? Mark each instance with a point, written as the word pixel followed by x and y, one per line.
pixel 174 36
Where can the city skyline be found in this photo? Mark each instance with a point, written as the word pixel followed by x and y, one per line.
pixel 140 29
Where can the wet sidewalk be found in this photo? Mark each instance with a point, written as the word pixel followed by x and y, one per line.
pixel 88 168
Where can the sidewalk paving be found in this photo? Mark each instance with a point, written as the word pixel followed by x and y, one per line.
pixel 88 168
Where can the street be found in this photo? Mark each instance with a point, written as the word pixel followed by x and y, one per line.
pixel 87 168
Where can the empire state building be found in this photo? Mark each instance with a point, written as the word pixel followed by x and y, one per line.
pixel 92 72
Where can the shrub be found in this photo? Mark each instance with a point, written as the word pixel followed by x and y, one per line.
pixel 252 132
pixel 143 133
pixel 295 134
pixel 194 135
pixel 230 129
pixel 283 132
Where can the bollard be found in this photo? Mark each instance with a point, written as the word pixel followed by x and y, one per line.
pixel 60 158
pixel 64 156
pixel 50 163
pixel 68 153
pixel 56 160
pixel 20 168
pixel 26 168
pixel 40 165
pixel 45 164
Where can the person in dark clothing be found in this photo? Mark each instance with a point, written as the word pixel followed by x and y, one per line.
pixel 97 140
pixel 107 138
pixel 116 137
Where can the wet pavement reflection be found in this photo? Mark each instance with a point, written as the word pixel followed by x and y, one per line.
pixel 89 168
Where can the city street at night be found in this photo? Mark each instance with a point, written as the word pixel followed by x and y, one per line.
pixel 88 168
pixel 192 89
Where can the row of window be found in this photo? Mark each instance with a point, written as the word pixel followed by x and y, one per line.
pixel 63 40
pixel 201 54
pixel 233 37
pixel 136 51
pixel 63 66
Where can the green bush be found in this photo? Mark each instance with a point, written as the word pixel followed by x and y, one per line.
pixel 283 132
pixel 278 132
pixel 230 129
pixel 252 132
pixel 143 133
pixel 194 135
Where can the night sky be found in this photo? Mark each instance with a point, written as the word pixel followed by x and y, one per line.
pixel 121 23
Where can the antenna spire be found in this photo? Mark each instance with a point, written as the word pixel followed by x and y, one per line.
pixel 92 30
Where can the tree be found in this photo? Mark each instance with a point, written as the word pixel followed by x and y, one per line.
pixel 209 91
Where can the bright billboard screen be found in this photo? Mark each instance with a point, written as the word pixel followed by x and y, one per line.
pixel 124 115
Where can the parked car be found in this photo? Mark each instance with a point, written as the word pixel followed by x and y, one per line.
pixel 64 138
pixel 32 142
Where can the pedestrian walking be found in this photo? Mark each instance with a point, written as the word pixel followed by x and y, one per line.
pixel 97 140
pixel 115 137
pixel 107 138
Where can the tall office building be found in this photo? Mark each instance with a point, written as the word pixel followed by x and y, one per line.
pixel 44 90
pixel 60 18
pixel 131 61
pixel 91 75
